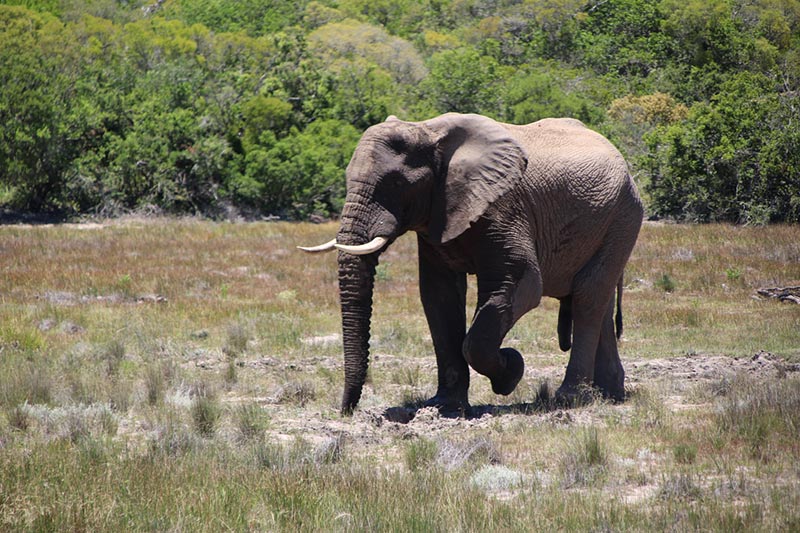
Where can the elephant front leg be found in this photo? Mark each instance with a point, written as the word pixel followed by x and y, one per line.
pixel 500 305
pixel 443 293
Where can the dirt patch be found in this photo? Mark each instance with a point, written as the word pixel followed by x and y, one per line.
pixel 676 379
pixel 66 298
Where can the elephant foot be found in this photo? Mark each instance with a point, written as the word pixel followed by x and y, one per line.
pixel 509 377
pixel 575 395
pixel 616 395
pixel 450 405
pixel 612 388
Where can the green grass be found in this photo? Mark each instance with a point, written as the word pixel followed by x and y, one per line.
pixel 185 375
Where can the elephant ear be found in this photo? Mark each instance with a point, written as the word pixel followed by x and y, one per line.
pixel 478 162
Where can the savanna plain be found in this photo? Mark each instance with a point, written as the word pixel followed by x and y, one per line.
pixel 185 375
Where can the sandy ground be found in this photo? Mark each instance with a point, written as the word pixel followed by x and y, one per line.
pixel 376 423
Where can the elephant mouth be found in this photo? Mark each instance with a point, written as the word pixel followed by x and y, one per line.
pixel 373 246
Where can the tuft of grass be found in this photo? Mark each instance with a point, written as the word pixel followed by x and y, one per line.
pixel 408 375
pixel 18 418
pixel 765 414
pixel 173 440
pixel 236 340
pixel 330 451
pixel 112 355
pixel 231 375
pixel 206 410
pixel 586 461
pixel 454 454
pixel 251 421
pixel 155 383
pixel 679 487
pixel 299 455
pixel 26 382
pixel 684 452
pixel 649 411
pixel 297 393
pixel 420 454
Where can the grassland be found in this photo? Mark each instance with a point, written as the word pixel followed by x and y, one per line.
pixel 182 375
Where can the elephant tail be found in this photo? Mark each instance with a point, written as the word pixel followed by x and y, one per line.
pixel 618 318
pixel 565 324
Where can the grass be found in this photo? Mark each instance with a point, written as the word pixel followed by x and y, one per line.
pixel 185 375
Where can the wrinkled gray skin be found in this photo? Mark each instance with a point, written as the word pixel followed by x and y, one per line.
pixel 546 209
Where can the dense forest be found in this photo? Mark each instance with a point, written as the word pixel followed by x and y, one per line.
pixel 254 106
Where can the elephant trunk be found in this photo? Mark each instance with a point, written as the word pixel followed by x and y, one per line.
pixel 356 281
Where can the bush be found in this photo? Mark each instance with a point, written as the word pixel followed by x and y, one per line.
pixel 734 159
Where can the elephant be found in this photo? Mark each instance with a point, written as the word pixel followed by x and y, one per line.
pixel 544 209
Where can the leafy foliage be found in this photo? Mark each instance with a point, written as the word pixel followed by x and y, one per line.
pixel 196 107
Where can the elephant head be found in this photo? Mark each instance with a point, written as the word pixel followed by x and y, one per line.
pixel 434 177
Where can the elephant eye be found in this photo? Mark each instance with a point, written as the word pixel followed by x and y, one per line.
pixel 396 179
pixel 398 145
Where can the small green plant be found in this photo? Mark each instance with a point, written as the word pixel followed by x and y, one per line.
pixel 382 272
pixel 125 284
pixel 287 296
pixel 665 283
pixel 733 274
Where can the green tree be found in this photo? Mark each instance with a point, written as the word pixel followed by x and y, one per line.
pixel 462 80
pixel 37 139
pixel 539 94
pixel 301 174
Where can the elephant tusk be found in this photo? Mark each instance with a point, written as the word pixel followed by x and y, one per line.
pixel 363 249
pixel 327 247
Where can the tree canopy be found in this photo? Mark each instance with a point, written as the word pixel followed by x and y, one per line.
pixel 197 106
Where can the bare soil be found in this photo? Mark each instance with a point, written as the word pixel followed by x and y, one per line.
pixel 377 424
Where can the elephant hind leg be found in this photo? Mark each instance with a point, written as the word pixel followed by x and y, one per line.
pixel 592 306
pixel 609 376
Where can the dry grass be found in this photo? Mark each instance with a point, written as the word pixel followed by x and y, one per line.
pixel 185 375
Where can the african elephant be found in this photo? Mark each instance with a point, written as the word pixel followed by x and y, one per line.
pixel 546 209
